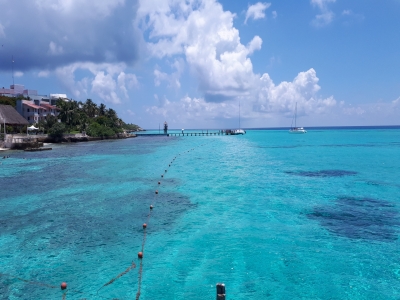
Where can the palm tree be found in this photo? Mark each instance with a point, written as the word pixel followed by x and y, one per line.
pixel 90 108
pixel 69 113
pixel 113 117
pixel 102 110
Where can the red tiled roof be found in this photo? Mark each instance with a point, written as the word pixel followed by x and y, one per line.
pixel 33 105
pixel 48 106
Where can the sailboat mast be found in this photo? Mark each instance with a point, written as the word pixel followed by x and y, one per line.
pixel 239 114
pixel 295 116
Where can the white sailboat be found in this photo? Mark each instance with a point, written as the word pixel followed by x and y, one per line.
pixel 296 129
pixel 239 131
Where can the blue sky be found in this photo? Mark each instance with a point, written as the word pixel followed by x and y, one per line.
pixel 192 62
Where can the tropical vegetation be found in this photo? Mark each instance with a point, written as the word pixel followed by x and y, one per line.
pixel 8 101
pixel 85 117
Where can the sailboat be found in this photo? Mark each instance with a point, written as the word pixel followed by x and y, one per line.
pixel 239 131
pixel 296 129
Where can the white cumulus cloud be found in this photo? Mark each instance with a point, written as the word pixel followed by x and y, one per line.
pixel 127 81
pixel 104 86
pixel 54 49
pixel 107 81
pixel 173 79
pixel 43 73
pixel 326 16
pixel 282 98
pixel 203 34
pixel 256 11
pixel 255 44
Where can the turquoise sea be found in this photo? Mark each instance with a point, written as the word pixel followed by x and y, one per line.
pixel 271 215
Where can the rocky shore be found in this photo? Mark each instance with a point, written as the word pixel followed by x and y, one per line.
pixel 77 138
pixel 38 141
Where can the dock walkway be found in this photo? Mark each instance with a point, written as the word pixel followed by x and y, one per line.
pixel 214 133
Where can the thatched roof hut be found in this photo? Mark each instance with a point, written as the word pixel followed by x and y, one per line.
pixel 11 116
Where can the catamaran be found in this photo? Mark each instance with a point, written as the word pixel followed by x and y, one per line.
pixel 296 129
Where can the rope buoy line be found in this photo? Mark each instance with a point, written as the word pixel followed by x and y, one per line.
pixel 63 285
pixel 118 276
pixel 140 254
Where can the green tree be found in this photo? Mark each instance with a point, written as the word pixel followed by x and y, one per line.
pixel 47 123
pixel 8 101
pixel 57 130
pixel 113 117
pixel 90 108
pixel 102 110
pixel 69 113
pixel 97 130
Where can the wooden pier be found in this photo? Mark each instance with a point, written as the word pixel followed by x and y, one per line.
pixel 213 133
pixel 195 134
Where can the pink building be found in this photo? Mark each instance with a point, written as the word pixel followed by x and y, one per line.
pixel 17 89
pixel 35 110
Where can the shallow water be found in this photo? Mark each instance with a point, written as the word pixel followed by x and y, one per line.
pixel 272 215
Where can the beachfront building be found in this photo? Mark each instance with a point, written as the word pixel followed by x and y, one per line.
pixel 10 117
pixel 36 110
pixel 36 107
pixel 16 90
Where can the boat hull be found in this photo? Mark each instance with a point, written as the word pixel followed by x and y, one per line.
pixel 298 131
pixel 239 131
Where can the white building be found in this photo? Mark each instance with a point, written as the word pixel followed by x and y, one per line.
pixel 16 90
pixel 36 110
pixel 38 107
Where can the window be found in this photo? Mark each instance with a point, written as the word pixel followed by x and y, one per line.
pixel 27 109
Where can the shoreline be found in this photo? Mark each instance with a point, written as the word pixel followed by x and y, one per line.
pixel 43 141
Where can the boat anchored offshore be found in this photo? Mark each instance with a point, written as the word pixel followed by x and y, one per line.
pixel 238 131
pixel 296 129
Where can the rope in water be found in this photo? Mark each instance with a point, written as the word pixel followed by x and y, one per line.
pixel 145 230
pixel 140 255
pixel 131 267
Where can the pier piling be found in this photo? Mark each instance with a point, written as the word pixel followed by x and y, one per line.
pixel 220 291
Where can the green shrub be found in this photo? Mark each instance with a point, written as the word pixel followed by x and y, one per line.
pixel 57 130
pixel 97 130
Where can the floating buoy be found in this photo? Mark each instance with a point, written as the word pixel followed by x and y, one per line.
pixel 140 255
pixel 63 285
pixel 156 192
pixel 162 175
pixel 159 182
pixel 151 206
pixel 144 225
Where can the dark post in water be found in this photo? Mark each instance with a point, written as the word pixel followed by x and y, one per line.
pixel 165 127
pixel 220 291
